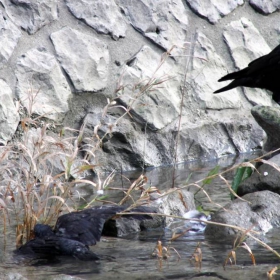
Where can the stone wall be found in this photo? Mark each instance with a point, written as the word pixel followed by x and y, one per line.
pixel 91 61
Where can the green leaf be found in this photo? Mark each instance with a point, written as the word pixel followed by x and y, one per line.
pixel 212 172
pixel 241 174
pixel 189 177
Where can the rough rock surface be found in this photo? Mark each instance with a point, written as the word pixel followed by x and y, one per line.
pixel 206 65
pixel 265 7
pixel 163 101
pixel 41 86
pixel 246 44
pixel 31 15
pixel 10 35
pixel 124 226
pixel 102 15
pixel 176 203
pixel 266 178
pixel 84 58
pixel 253 213
pixel 164 22
pixel 214 10
pixel 8 113
pixel 105 62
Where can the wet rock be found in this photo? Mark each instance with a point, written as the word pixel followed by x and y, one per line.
pixel 66 277
pixel 8 113
pixel 41 86
pixel 267 177
pixel 102 15
pixel 164 22
pixel 213 10
pixel 10 35
pixel 269 119
pixel 245 44
pixel 84 58
pixel 244 134
pixel 176 202
pixel 31 15
pixel 12 276
pixel 265 6
pixel 254 213
pixel 124 226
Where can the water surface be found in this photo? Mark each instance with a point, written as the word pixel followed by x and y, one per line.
pixel 130 257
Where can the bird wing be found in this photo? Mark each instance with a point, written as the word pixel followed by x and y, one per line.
pixel 52 246
pixel 40 248
pixel 86 226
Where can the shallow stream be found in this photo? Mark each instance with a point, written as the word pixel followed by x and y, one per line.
pixel 130 257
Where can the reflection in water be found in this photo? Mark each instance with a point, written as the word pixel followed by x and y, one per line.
pixel 130 257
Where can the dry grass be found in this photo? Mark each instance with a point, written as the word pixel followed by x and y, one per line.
pixel 33 190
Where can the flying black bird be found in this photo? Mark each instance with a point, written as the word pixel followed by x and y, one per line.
pixel 263 72
pixel 75 231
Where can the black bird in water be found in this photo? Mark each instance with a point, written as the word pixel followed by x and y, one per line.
pixel 263 72
pixel 74 232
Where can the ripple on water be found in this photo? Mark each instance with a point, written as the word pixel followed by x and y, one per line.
pixel 130 257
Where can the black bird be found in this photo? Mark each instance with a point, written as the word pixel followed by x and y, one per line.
pixel 263 72
pixel 75 231
pixel 47 245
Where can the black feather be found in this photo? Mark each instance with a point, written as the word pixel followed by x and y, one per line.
pixel 75 231
pixel 263 72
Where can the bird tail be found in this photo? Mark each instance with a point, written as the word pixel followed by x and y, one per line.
pixel 235 75
pixel 232 85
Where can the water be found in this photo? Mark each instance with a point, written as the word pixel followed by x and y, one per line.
pixel 130 257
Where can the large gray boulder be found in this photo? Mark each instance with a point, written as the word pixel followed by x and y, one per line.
pixel 267 177
pixel 258 211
